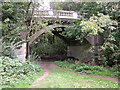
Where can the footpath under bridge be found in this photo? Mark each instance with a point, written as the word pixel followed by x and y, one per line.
pixel 53 15
pixel 47 14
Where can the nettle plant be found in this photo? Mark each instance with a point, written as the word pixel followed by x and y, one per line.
pixel 97 24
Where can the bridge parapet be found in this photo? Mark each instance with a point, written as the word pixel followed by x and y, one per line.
pixel 56 14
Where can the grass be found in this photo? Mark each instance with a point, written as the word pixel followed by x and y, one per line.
pixel 61 79
pixel 25 83
pixel 84 68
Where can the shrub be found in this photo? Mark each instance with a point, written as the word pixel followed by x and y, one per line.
pixel 8 49
pixel 84 68
pixel 12 70
pixel 88 69
pixel 116 71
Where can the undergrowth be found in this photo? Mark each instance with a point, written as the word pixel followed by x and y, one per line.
pixel 87 69
pixel 12 70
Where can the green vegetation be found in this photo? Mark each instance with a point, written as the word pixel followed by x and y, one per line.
pixel 13 20
pixel 97 19
pixel 28 80
pixel 61 79
pixel 50 45
pixel 14 71
pixel 87 69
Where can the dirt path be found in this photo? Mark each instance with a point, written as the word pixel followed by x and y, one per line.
pixel 47 66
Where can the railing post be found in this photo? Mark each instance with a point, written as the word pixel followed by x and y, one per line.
pixel 50 13
pixel 75 15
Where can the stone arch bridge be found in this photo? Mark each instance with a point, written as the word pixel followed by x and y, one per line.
pixel 54 14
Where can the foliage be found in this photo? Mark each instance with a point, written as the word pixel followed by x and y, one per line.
pixel 13 20
pixel 14 10
pixel 13 70
pixel 116 71
pixel 33 56
pixel 73 31
pixel 8 49
pixel 87 9
pixel 99 18
pixel 28 80
pixel 49 45
pixel 98 24
pixel 85 68
pixel 94 26
pixel 36 25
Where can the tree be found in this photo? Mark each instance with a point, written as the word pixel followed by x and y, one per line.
pixel 13 20
pixel 93 24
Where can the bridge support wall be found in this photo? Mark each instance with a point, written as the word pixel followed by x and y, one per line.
pixel 21 53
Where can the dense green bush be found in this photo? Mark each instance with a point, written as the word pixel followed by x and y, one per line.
pixel 116 71
pixel 8 49
pixel 12 70
pixel 88 69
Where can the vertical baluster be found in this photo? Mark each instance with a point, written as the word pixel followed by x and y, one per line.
pixel 50 13
pixel 74 14
pixel 66 13
pixel 60 14
pixel 38 12
pixel 69 14
pixel 46 13
pixel 42 13
pixel 63 13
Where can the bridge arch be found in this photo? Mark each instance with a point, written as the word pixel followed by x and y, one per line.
pixel 91 40
pixel 38 33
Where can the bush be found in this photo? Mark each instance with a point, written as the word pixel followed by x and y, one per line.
pixel 116 71
pixel 8 49
pixel 12 70
pixel 88 69
pixel 84 68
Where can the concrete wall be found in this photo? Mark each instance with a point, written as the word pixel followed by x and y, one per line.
pixel 21 53
pixel 80 52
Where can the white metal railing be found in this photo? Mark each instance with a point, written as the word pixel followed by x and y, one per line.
pixel 56 13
